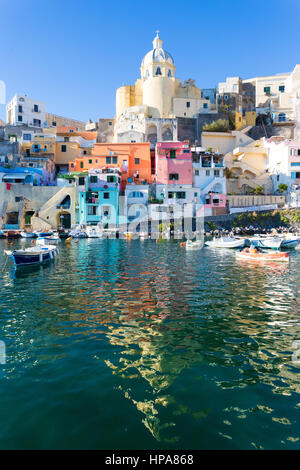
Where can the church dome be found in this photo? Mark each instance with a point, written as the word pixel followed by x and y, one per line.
pixel 158 54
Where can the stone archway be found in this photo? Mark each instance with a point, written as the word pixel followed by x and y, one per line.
pixel 151 134
pixel 167 132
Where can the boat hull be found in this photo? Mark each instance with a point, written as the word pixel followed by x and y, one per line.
pixel 31 257
pixel 278 257
pixel 225 244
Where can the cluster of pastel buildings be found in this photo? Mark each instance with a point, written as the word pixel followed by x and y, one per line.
pixel 161 148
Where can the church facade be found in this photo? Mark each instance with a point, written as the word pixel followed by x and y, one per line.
pixel 149 110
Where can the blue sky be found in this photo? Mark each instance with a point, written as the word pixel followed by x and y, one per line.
pixel 74 54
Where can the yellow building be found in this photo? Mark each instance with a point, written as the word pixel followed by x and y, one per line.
pixel 70 144
pixel 159 89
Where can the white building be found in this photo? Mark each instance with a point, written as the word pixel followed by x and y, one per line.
pixel 23 110
pixel 278 94
pixel 283 162
pixel 208 172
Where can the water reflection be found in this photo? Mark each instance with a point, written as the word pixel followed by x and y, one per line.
pixel 196 344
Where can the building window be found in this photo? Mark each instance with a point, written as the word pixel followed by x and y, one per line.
pixel 196 172
pixel 35 108
pixel 172 153
pixel 54 124
pixel 169 73
pixel 93 179
pixel 20 119
pixel 173 176
pixel 111 179
pixel 105 195
pixel 81 180
pixel 115 160
pixel 110 123
pixel 180 195
pixel 63 148
pixel 20 108
pixel 158 71
pixel 108 159
pixel 90 162
pixel 81 164
pixel 207 173
pixel 66 139
pixel 216 173
pixel 205 105
pixel 170 195
pixel 137 161
pixel 195 194
pixel 188 104
pixel 26 136
pixel 84 152
pixel 298 152
pixel 37 122
pixel 281 88
pixel 92 210
pixel 267 90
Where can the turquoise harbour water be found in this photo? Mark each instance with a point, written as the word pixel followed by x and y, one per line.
pixel 137 345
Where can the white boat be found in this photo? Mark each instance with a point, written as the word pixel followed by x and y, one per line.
pixel 32 255
pixel 268 242
pixel 290 242
pixel 94 232
pixel 144 235
pixel 226 242
pixel 28 235
pixel 45 241
pixel 194 245
pixel 78 233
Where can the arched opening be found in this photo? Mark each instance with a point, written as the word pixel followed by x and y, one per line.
pixel 152 134
pixel 158 71
pixel 217 188
pixel 167 133
pixel 65 203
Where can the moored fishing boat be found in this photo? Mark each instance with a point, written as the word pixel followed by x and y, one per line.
pixel 94 232
pixel 28 235
pixel 43 234
pixel 12 234
pixel 254 254
pixel 32 255
pixel 52 240
pixel 226 242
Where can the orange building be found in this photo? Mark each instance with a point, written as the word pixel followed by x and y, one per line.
pixel 133 159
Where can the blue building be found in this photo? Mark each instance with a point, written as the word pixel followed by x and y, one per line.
pixel 99 202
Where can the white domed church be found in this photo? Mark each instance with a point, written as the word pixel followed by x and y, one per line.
pixel 148 110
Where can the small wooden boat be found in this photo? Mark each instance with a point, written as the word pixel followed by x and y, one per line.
pixel 12 234
pixel 254 254
pixel 273 243
pixel 226 242
pixel 33 255
pixel 28 235
pixel 53 240
pixel 43 234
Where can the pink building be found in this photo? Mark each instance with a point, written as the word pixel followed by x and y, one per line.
pixel 173 163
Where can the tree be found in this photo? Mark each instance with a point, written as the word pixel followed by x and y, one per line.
pixel 282 187
pixel 258 190
pixel 221 125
